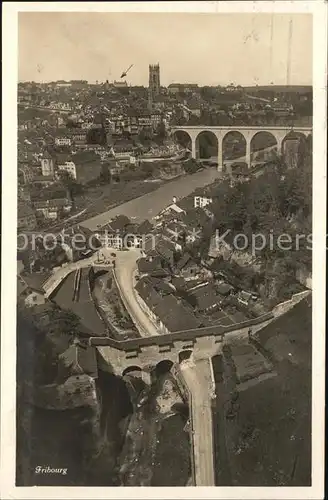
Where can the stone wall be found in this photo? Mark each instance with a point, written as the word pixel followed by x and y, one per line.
pixel 283 307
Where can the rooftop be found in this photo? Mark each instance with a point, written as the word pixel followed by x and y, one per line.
pixel 79 359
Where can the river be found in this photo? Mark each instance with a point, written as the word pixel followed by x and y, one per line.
pixel 150 204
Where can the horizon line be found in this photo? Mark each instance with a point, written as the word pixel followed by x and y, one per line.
pixel 172 83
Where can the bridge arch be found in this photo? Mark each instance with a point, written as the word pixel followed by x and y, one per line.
pixel 132 369
pixel 183 138
pixel 207 145
pixel 245 133
pixel 262 145
pixel 234 146
pixel 162 367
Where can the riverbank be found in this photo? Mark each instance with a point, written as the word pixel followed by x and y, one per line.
pixel 147 206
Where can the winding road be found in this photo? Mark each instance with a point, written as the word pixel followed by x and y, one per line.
pixel 125 267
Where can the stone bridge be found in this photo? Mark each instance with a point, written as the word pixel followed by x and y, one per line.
pixel 146 353
pixel 158 354
pixel 247 132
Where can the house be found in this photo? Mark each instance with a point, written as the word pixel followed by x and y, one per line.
pixel 51 209
pixel 145 227
pixel 169 312
pixel 238 172
pixel 120 84
pixel 25 173
pixel 78 359
pixel 176 88
pixel 205 297
pixel 29 288
pixel 155 118
pixel 202 201
pixel 187 267
pixel 26 218
pixel 173 208
pixel 244 298
pixel 65 164
pixel 175 231
pixel 121 233
pixel 78 136
pixel 167 250
pixel 112 234
pixel 64 140
pixel 43 313
pixel 150 264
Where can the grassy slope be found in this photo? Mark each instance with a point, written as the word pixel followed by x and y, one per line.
pixel 269 443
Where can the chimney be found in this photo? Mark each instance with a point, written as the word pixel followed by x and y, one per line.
pixel 174 199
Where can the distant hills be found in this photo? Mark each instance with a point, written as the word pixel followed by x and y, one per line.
pixel 279 88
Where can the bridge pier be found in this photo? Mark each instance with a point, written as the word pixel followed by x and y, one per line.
pixel 193 148
pixel 248 152
pixel 146 377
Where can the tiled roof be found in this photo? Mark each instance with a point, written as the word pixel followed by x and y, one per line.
pixel 55 203
pixel 79 359
pixel 206 297
pixel 146 265
pixel 35 280
pixel 175 315
pixel 24 210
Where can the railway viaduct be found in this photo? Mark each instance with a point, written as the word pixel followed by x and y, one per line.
pixel 247 132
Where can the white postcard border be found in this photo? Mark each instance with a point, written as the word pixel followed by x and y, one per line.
pixel 9 224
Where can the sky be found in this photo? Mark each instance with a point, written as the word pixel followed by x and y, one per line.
pixel 208 49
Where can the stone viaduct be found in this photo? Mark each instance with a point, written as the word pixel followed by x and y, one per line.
pixel 247 132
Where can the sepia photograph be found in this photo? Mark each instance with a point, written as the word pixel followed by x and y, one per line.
pixel 165 190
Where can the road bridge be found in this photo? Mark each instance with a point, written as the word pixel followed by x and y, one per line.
pixel 247 132
pixel 189 354
pixel 145 353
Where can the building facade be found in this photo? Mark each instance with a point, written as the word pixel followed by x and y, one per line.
pixel 202 201
pixel 47 166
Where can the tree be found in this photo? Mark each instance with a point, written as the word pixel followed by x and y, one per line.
pixel 105 175
pixel 73 187
pixel 146 134
pixel 147 168
pixel 190 166
pixel 161 131
pixel 96 136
